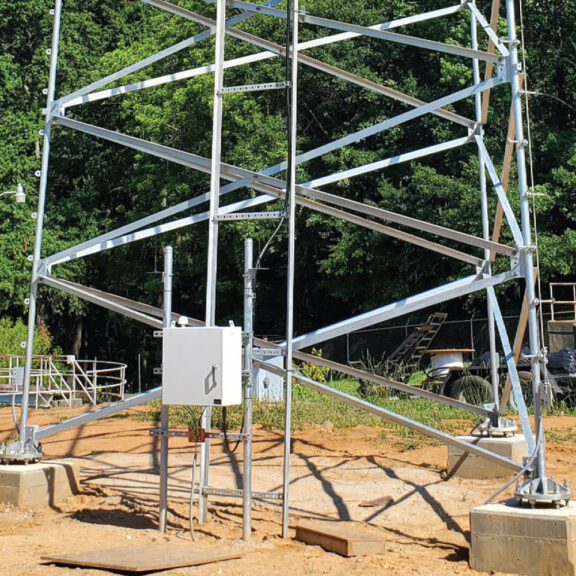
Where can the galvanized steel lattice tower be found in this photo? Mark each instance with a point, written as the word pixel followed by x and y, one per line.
pixel 496 65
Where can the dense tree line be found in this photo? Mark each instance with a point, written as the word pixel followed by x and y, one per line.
pixel 343 270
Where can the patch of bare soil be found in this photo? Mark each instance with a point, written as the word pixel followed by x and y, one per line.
pixel 353 475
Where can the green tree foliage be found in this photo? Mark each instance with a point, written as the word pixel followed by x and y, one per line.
pixel 12 334
pixel 96 186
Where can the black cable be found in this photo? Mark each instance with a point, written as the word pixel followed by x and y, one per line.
pixel 16 424
pixel 289 135
pixel 268 243
pixel 192 487
pixel 194 466
pixel 225 431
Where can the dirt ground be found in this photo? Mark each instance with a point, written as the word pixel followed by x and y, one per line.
pixel 335 474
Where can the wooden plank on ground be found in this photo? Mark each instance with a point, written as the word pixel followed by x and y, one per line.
pixel 342 538
pixel 142 557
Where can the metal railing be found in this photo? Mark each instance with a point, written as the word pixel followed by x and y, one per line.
pixel 562 307
pixel 62 379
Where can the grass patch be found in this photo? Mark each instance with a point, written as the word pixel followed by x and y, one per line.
pixel 310 407
pixel 561 436
pixel 562 407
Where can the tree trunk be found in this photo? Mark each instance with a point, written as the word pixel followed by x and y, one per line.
pixel 77 333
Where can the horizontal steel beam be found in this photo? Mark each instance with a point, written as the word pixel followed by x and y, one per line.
pixel 103 241
pixel 381 31
pixel 147 309
pixel 99 243
pixel 455 289
pixel 102 412
pixel 104 302
pixel 400 119
pixel 404 39
pixel 260 9
pixel 371 225
pixel 260 182
pixel 250 59
pixel 409 423
pixel 171 154
pixel 254 87
pixel 387 162
pixel 377 227
pixel 392 232
pixel 406 221
pixel 171 226
pixel 396 418
pixel 378 88
pixel 79 96
pixel 270 215
pixel 389 383
pixel 175 155
pixel 141 307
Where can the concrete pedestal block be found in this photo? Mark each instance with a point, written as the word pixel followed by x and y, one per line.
pixel 466 465
pixel 38 485
pixel 74 403
pixel 517 540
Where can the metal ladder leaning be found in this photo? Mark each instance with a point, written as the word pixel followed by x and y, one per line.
pixel 408 355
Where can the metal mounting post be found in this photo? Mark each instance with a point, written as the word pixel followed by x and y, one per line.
pixel 165 410
pixel 292 55
pixel 248 383
pixel 212 264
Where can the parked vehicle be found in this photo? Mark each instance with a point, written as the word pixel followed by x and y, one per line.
pixel 472 382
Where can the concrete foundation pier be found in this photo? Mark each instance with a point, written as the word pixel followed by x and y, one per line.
pixel 518 540
pixel 466 465
pixel 38 485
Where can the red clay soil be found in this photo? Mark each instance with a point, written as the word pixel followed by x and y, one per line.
pixel 356 475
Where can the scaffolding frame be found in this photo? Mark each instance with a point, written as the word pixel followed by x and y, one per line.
pixel 501 67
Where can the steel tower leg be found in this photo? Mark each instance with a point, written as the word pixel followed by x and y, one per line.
pixel 495 419
pixel 537 486
pixel 25 448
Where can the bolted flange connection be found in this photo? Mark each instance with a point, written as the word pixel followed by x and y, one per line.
pixel 22 452
pixel 502 427
pixel 546 491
